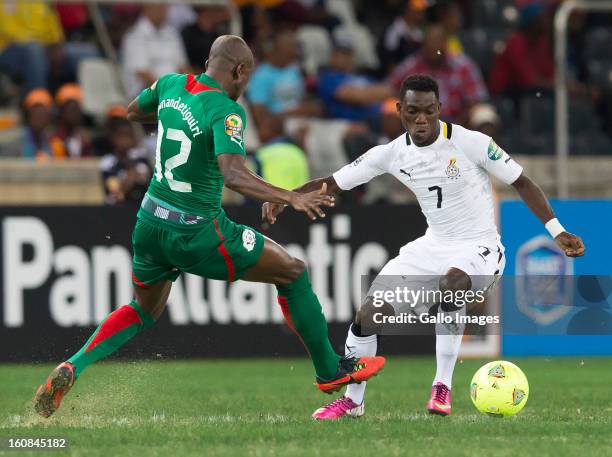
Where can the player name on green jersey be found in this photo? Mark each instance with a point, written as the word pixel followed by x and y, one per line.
pixel 185 111
pixel 197 121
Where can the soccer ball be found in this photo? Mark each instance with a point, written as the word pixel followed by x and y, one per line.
pixel 499 389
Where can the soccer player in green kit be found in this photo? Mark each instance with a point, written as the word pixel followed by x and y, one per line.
pixel 182 227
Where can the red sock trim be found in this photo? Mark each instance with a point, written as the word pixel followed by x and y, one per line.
pixel 231 273
pixel 118 320
pixel 284 304
pixel 138 282
pixel 282 301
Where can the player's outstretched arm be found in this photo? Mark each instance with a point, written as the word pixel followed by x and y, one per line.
pixel 537 202
pixel 369 165
pixel 242 180
pixel 270 210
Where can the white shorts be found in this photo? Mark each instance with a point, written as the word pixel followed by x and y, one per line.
pixel 423 261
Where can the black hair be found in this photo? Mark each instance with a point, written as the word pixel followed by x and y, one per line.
pixel 115 123
pixel 419 83
pixel 436 12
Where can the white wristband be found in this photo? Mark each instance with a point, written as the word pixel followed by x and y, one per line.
pixel 554 227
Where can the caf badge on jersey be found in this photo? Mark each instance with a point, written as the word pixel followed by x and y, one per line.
pixel 452 170
pixel 233 128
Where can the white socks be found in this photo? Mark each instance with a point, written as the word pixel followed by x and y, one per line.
pixel 359 346
pixel 447 349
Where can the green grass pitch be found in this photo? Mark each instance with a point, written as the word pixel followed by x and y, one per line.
pixel 263 407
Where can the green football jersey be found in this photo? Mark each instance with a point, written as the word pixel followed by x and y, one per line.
pixel 197 121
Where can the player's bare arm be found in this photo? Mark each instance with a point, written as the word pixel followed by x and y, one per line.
pixel 242 180
pixel 537 202
pixel 270 210
pixel 135 114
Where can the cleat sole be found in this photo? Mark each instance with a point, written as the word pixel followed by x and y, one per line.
pixel 49 395
pixel 438 413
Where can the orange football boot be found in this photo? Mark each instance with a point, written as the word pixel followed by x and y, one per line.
pixel 352 371
pixel 49 395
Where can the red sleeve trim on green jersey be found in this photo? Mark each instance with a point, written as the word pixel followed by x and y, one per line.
pixel 194 87
pixel 138 282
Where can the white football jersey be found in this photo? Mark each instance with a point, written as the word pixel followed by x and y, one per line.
pixel 450 179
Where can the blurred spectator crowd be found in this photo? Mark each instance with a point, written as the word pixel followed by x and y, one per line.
pixel 325 86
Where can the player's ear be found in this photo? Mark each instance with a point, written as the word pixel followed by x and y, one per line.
pixel 243 70
pixel 206 65
pixel 237 71
pixel 398 107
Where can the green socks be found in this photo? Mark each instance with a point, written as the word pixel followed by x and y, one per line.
pixel 298 302
pixel 304 316
pixel 117 329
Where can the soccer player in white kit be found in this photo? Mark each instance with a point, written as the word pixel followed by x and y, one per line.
pixel 447 167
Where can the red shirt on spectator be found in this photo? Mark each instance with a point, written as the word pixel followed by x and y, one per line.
pixel 459 80
pixel 524 64
pixel 72 16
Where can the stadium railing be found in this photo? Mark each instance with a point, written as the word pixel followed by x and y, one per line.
pixel 53 182
pixel 562 131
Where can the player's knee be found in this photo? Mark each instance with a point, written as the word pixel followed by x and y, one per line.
pixel 365 319
pixel 454 280
pixel 364 312
pixel 294 268
pixel 154 310
pixel 298 267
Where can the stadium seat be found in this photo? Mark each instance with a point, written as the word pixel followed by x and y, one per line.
pixel 540 144
pixel 494 13
pixel 600 73
pixel 582 116
pixel 343 10
pixel 505 109
pixel 510 140
pixel 363 42
pixel 537 115
pixel 599 44
pixel 100 86
pixel 315 44
pixel 323 141
pixel 592 143
pixel 483 44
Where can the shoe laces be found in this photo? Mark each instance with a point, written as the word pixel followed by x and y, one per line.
pixel 350 364
pixel 441 393
pixel 343 404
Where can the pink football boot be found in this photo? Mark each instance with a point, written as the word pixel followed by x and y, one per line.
pixel 440 401
pixel 343 406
